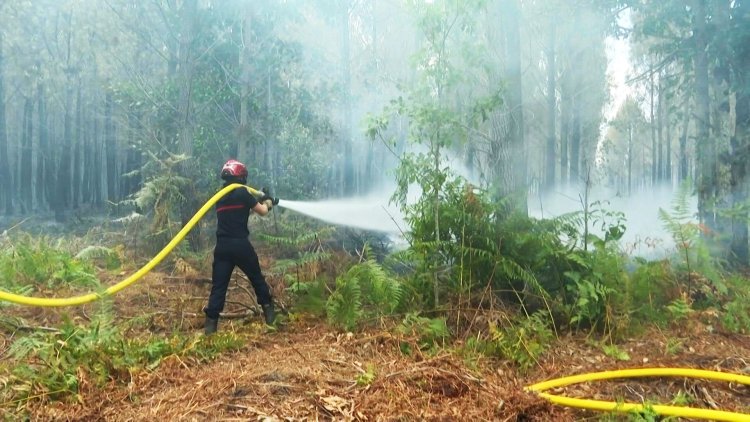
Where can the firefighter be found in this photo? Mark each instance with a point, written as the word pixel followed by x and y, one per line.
pixel 233 248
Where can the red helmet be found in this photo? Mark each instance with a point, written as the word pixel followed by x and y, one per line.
pixel 233 168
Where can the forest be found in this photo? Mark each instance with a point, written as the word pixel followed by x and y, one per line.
pixel 471 197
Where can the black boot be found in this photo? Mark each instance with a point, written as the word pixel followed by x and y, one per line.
pixel 211 325
pixel 268 313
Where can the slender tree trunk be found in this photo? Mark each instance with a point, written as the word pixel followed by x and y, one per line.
pixel 347 182
pixel 100 139
pixel 271 132
pixel 512 153
pixel 660 131
pixel 88 160
pixel 135 156
pixel 564 127
pixel 188 17
pixel 110 148
pixel 243 132
pixel 652 123
pixel 63 179
pixel 575 138
pixel 684 166
pixel 630 160
pixel 740 142
pixel 77 160
pixel 45 164
pixel 551 106
pixel 6 180
pixel 668 140
pixel 704 143
pixel 26 156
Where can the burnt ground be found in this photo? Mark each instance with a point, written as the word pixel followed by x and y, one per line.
pixel 308 371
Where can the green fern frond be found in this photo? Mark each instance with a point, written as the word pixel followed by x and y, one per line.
pixel 513 270
pixel 366 290
pixel 344 306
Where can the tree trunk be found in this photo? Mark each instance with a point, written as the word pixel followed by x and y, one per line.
pixel 575 137
pixel 45 164
pixel 684 166
pixel 63 179
pixel 6 180
pixel 564 126
pixel 652 123
pixel 77 160
pixel 551 107
pixel 243 132
pixel 87 194
pixel 704 147
pixel 740 142
pixel 109 148
pixel 347 183
pixel 668 141
pixel 188 16
pixel 27 145
pixel 630 160
pixel 661 172
pixel 513 153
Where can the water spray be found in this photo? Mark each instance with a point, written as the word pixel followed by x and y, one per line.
pixel 367 213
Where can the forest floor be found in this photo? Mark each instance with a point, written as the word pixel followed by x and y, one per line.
pixel 306 370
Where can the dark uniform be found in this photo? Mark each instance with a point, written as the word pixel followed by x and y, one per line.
pixel 234 249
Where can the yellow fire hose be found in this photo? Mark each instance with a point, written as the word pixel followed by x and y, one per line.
pixel 79 300
pixel 685 412
pixel 539 388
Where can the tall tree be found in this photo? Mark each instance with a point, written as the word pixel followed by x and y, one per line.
pixel 26 179
pixel 6 182
pixel 740 141
pixel 705 149
pixel 550 54
pixel 348 182
pixel 508 137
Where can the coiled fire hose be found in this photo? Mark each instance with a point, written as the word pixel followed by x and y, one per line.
pixel 679 411
pixel 90 297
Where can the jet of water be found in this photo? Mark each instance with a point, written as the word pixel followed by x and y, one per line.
pixel 367 213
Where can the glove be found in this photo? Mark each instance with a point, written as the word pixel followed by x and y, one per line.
pixel 268 198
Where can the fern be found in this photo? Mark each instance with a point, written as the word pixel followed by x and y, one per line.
pixel 429 332
pixel 367 290
pixel 344 306
pixel 686 233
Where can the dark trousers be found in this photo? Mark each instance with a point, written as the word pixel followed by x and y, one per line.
pixel 228 254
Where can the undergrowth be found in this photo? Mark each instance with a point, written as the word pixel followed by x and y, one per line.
pixel 53 364
pixel 30 264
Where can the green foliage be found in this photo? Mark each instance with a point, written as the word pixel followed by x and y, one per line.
pixel 673 346
pixel 301 251
pixel 310 296
pixel 615 352
pixel 651 287
pixel 162 195
pixel 344 306
pixel 367 377
pixel 521 340
pixel 693 253
pixel 736 315
pixel 428 332
pixel 683 398
pixel 296 236
pixel 366 291
pixel 679 309
pixel 109 258
pixel 28 263
pixel 50 364
pixel 525 340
